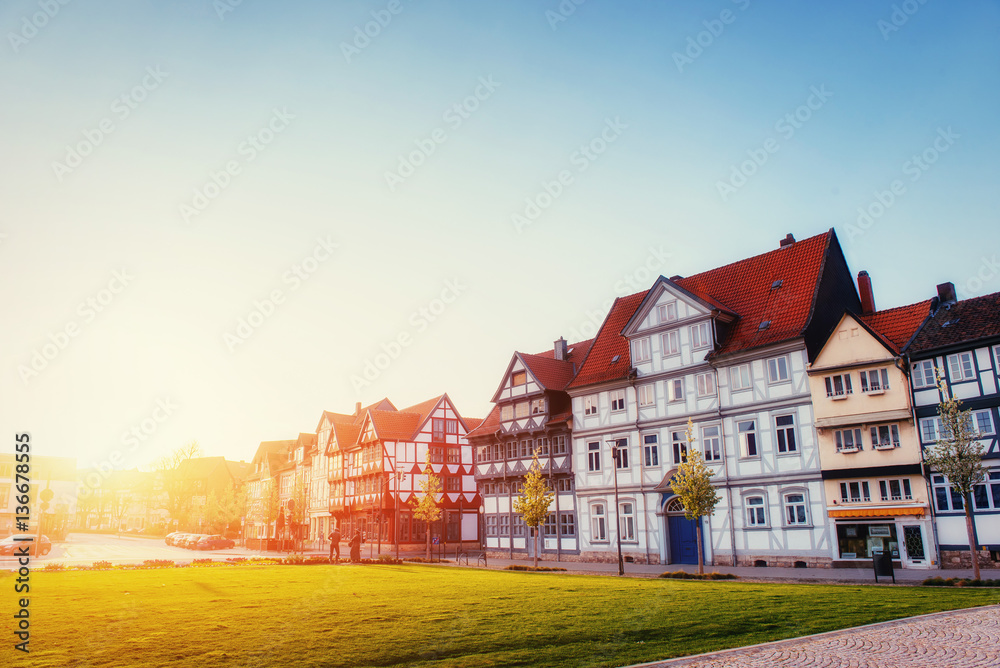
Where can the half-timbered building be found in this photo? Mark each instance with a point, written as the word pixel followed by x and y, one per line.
pixel 961 342
pixel 728 350
pixel 532 416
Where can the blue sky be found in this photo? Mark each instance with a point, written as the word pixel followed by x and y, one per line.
pixel 301 130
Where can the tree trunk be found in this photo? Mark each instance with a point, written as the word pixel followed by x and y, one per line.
pixel 428 533
pixel 972 537
pixel 535 537
pixel 701 556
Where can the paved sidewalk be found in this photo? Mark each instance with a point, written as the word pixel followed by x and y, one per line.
pixel 958 639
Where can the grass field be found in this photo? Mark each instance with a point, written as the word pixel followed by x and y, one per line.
pixel 420 615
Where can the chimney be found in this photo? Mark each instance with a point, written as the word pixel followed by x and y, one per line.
pixel 865 290
pixel 946 293
pixel 357 408
pixel 787 241
pixel 560 349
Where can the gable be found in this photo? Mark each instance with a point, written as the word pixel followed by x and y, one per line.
pixel 684 305
pixel 851 342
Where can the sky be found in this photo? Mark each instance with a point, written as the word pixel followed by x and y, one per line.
pixel 219 218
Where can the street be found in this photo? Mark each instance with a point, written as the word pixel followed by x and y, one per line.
pixel 86 548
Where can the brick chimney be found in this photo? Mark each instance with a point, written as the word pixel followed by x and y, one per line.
pixel 946 293
pixel 865 290
pixel 357 408
pixel 560 349
pixel 787 241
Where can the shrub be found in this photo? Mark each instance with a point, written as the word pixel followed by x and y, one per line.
pixel 158 563
pixel 101 565
pixel 959 582
pixel 518 567
pixel 54 567
pixel 681 575
pixel 421 560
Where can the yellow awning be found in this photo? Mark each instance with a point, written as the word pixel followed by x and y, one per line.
pixel 874 512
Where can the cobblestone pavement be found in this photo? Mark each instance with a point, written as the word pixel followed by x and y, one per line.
pixel 958 639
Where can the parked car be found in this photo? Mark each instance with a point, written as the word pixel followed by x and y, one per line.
pixel 215 542
pixel 180 538
pixel 169 540
pixel 11 545
pixel 189 540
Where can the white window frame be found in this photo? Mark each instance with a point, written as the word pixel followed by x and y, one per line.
pixel 594 457
pixel 714 442
pixel 885 489
pixel 620 454
pixel 675 389
pixel 838 386
pixel 506 413
pixel 793 519
pixel 891 439
pixel 626 520
pixel 641 350
pixel 864 491
pixel 670 343
pixel 774 365
pixel 957 362
pixel 538 404
pixel 647 395
pixel 598 524
pixel 522 409
pixel 875 381
pixel 678 446
pixel 701 336
pixel 853 435
pixel 988 413
pixel 663 312
pixel 705 382
pixel 922 374
pixel 740 377
pixel 935 426
pixel 756 513
pixel 746 435
pixel 778 429
pixel 617 400
pixel 651 450
pixel 590 405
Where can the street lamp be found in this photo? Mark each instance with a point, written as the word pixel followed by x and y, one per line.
pixel 618 529
pixel 482 531
pixel 398 474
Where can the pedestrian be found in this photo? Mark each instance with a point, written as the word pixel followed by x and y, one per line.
pixel 355 546
pixel 335 545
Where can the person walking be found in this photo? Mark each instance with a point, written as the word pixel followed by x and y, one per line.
pixel 355 546
pixel 335 545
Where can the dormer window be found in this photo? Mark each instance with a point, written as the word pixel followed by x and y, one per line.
pixel 666 312
pixel 520 378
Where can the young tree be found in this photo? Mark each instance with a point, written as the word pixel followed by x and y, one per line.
pixel 180 492
pixel 428 509
pixel 693 485
pixel 224 508
pixel 299 511
pixel 534 500
pixel 958 456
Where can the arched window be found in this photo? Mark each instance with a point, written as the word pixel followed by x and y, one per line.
pixel 675 505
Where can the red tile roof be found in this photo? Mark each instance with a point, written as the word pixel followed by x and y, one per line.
pixel 488 425
pixel 897 325
pixel 472 423
pixel 744 288
pixel 395 425
pixel 964 322
pixel 346 433
pixel 555 374
pixel 424 408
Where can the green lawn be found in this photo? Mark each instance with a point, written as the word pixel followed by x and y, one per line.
pixel 420 615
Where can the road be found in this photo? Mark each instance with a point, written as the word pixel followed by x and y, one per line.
pixel 86 548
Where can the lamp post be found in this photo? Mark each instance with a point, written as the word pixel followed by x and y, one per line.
pixel 618 529
pixel 482 531
pixel 398 475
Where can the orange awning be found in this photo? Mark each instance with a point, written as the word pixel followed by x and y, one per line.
pixel 874 512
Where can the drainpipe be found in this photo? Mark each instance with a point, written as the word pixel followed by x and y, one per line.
pixel 925 474
pixel 725 470
pixel 642 466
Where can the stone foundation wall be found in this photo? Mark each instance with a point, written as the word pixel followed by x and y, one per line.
pixel 777 561
pixel 962 559
pixel 583 557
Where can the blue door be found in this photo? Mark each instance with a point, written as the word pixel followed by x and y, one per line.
pixel 683 540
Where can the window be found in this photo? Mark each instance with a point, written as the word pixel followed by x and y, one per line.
pixel 675 389
pixel 875 380
pixel 848 440
pixel 647 395
pixel 930 429
pixel 650 450
pixel 706 384
pixel 670 343
pixel 590 405
pixel 538 406
pixel 885 437
pixel 559 445
pixel 526 448
pixel 785 426
pixel 520 378
pixel 740 377
pixel 521 409
pixel 505 525
pixel 640 350
pixel 982 421
pixel 491 525
pixel 594 456
pixel 621 453
pixel 567 524
pixel 507 412
pixel 549 529
pixel 520 528
pixel 711 441
pixel 597 525
pixel 795 509
pixel 854 492
pixel 667 312
pixel 895 490
pixel 436 454
pixel 617 400
pixel 700 336
pixel 987 493
pixel 777 369
pixel 923 374
pixel 564 485
pixel 945 497
pixel 453 483
pixel 678 440
pixel 748 437
pixel 626 520
pixel 839 386
pixel 438 429
pixel 756 511
pixel 960 367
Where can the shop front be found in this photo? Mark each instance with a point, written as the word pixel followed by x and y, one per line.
pixel 864 533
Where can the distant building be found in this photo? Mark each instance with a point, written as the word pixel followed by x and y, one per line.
pixel 55 473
